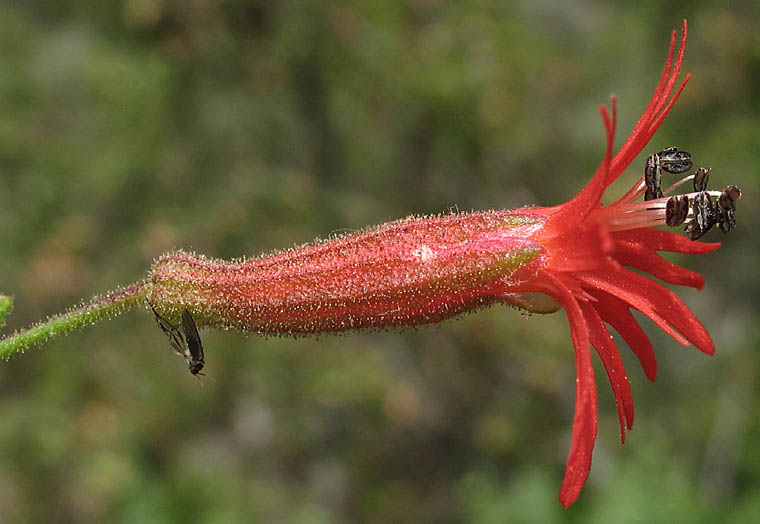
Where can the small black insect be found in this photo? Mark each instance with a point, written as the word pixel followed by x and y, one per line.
pixel 186 343
pixel 676 210
pixel 194 354
pixel 176 341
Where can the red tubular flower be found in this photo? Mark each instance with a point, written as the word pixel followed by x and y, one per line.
pixel 425 269
pixel 578 255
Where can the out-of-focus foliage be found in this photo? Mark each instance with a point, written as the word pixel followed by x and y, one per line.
pixel 131 128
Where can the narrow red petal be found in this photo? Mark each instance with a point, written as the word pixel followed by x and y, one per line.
pixel 623 158
pixel 635 300
pixel 585 419
pixel 613 365
pixel 655 301
pixel 618 315
pixel 637 256
pixel 655 112
pixel 661 240
pixel 675 72
pixel 656 124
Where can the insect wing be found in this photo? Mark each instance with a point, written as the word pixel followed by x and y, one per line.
pixel 194 345
pixel 175 337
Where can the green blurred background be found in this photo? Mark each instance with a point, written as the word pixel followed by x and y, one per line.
pixel 131 128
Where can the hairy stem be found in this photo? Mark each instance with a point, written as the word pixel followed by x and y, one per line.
pixel 91 312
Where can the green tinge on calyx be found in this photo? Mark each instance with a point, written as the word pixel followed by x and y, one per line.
pixel 97 309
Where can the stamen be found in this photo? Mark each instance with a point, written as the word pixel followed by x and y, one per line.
pixel 674 160
pixel 701 177
pixel 677 210
pixel 632 194
pixel 678 184
pixel 637 215
pixel 705 216
pixel 670 159
pixel 652 178
pixel 638 207
pixel 705 208
pixel 625 225
pixel 726 208
pixel 705 212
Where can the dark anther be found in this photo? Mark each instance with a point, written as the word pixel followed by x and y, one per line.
pixel 725 208
pixel 674 160
pixel 705 216
pixel 652 178
pixel 733 193
pixel 704 210
pixel 700 179
pixel 676 210
pixel 692 230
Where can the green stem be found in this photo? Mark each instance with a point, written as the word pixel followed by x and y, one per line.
pixel 97 309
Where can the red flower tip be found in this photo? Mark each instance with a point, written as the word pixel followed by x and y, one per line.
pixel 591 250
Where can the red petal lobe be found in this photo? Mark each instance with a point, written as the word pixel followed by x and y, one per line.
pixel 640 257
pixel 585 419
pixel 617 314
pixel 661 240
pixel 610 357
pixel 655 301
